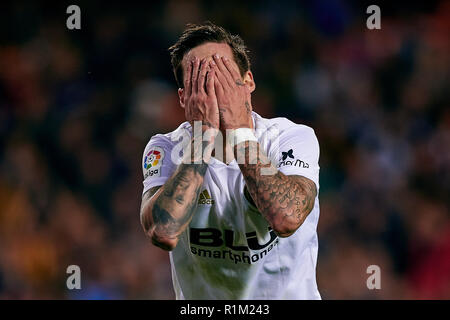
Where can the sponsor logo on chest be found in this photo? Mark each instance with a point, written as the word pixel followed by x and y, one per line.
pixel 220 245
pixel 205 198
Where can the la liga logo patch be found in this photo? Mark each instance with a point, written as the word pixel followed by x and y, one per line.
pixel 152 159
pixel 152 162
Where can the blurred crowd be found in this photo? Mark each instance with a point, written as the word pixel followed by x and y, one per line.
pixel 77 108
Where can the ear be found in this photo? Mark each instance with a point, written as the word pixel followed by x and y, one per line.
pixel 248 80
pixel 181 96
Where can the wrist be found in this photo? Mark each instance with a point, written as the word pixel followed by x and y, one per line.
pixel 239 135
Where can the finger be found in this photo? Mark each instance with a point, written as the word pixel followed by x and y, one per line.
pixel 195 74
pixel 219 76
pixel 202 75
pixel 223 70
pixel 218 89
pixel 210 82
pixel 187 79
pixel 234 74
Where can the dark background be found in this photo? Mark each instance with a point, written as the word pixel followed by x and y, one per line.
pixel 77 108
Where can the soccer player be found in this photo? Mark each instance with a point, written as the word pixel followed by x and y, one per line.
pixel 235 229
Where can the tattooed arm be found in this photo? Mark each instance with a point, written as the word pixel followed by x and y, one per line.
pixel 166 211
pixel 284 201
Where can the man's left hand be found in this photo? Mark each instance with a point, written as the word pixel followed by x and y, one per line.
pixel 233 95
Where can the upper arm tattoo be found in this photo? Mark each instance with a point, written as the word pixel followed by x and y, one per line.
pixel 145 198
pixel 176 203
pixel 279 197
pixel 175 206
pixel 300 194
pixel 249 197
pixel 150 193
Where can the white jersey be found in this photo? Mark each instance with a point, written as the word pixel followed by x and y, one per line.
pixel 228 250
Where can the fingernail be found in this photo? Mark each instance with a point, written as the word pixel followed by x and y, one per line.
pixel 212 63
pixel 225 58
pixel 216 56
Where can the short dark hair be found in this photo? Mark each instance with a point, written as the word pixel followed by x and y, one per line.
pixel 198 34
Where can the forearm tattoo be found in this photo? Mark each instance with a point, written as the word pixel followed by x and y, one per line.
pixel 282 200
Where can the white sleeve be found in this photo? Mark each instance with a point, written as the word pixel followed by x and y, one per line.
pixel 297 153
pixel 157 165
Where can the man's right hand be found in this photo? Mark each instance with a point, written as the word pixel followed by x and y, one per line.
pixel 167 214
pixel 200 97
